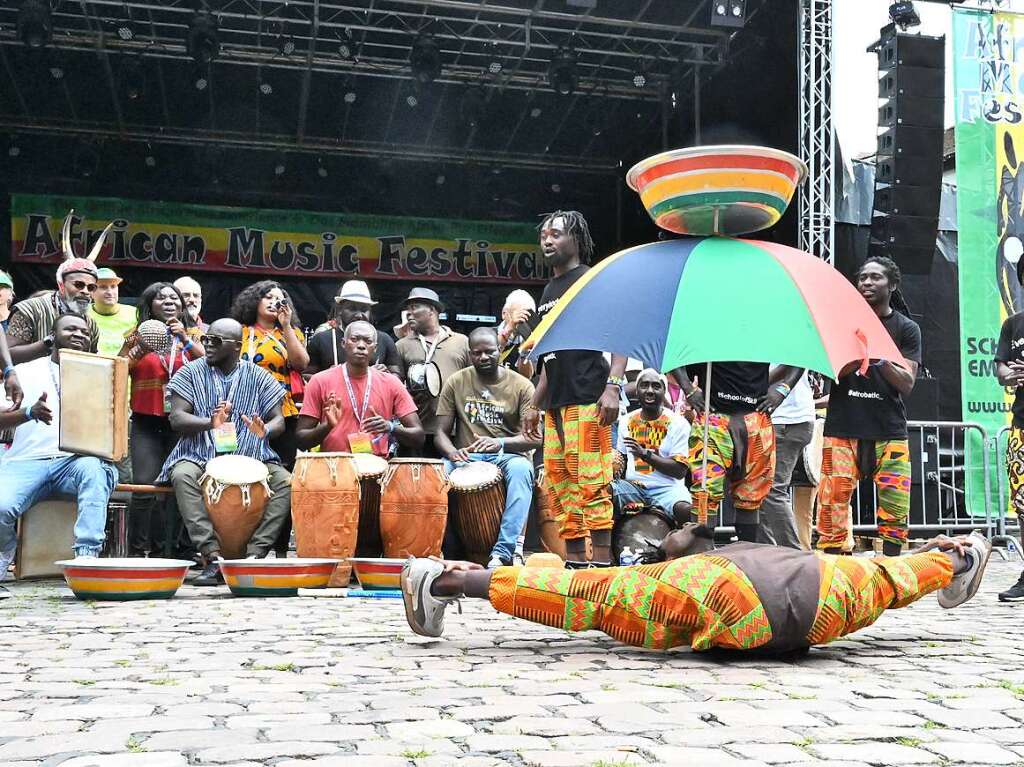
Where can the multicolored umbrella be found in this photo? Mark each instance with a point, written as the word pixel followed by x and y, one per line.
pixel 717 299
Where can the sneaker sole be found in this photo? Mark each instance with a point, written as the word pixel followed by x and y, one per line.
pixel 1003 598
pixel 408 595
pixel 975 584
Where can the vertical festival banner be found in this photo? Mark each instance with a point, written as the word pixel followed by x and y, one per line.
pixel 988 67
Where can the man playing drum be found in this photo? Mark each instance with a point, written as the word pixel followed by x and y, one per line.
pixel 221 405
pixel 745 596
pixel 486 403
pixel 356 407
pixel 34 467
pixel 655 442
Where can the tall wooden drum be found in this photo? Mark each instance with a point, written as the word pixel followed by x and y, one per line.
pixel 235 490
pixel 478 490
pixel 371 470
pixel 325 509
pixel 413 507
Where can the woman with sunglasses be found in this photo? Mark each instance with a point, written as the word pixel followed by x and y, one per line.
pixel 152 438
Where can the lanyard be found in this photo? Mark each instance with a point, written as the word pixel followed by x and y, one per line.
pixel 219 379
pixel 169 365
pixel 251 354
pixel 334 345
pixel 429 354
pixel 359 414
pixel 55 379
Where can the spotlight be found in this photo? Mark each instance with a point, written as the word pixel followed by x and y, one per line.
pixel 321 169
pixel 346 45
pixel 412 100
pixel 556 188
pixel 14 151
pixel 34 24
pixel 425 59
pixel 728 13
pixel 440 179
pixel 350 97
pixel 56 72
pixel 535 112
pixel 562 72
pixel 279 168
pixel 149 159
pixel 904 15
pixel 640 78
pixel 125 31
pixel 286 45
pixel 494 62
pixel 266 88
pixel 201 78
pixel 133 78
pixel 202 43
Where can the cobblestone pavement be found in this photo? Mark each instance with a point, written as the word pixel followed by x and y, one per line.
pixel 209 679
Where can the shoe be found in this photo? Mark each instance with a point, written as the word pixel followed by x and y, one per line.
pixel 6 560
pixel 210 576
pixel 496 561
pixel 965 585
pixel 423 610
pixel 5 593
pixel 1015 593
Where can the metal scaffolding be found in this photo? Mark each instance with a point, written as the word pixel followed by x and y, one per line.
pixel 817 134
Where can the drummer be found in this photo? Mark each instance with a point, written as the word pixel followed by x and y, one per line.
pixel 655 442
pixel 353 408
pixel 220 405
pixel 486 403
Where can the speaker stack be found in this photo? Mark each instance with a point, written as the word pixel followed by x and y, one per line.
pixel 908 172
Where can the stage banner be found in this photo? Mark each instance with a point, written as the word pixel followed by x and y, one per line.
pixel 258 241
pixel 988 64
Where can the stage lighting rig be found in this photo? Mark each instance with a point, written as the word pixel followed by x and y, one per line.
pixel 203 44
pixel 425 59
pixel 346 46
pixel 728 13
pixel 562 72
pixel 904 15
pixel 34 24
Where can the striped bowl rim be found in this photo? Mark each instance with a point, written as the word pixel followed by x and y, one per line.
pixel 719 149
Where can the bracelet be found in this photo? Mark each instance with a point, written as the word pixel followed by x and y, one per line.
pixel 392 425
pixel 693 391
pixel 8 370
pixel 783 389
pixel 501 446
pixel 187 346
pixel 27 410
pixel 619 381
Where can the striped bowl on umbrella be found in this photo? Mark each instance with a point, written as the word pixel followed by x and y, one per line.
pixel 728 190
pixel 276 577
pixel 124 579
pixel 375 573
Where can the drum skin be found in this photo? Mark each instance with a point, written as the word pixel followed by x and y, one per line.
pixel 413 508
pixel 233 520
pixel 371 469
pixel 641 531
pixel 478 492
pixel 325 509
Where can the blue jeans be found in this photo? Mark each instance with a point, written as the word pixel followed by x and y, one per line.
pixel 518 473
pixel 88 479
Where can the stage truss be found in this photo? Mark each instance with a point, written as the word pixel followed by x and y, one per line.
pixel 817 134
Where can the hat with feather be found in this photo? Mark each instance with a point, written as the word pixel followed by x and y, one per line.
pixel 71 263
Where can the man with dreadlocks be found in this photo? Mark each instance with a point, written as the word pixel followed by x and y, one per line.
pixel 866 425
pixel 579 395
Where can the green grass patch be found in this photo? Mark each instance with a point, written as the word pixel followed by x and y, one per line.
pixel 277 667
pixel 910 742
pixel 164 681
pixel 421 754
pixel 84 682
pixel 135 746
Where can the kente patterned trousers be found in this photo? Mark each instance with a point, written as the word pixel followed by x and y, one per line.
pixel 1015 469
pixel 752 437
pixel 840 473
pixel 578 470
pixel 707 601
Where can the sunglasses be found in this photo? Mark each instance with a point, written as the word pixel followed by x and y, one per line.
pixel 82 285
pixel 215 342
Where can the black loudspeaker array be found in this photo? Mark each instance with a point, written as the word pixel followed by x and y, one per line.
pixel 908 174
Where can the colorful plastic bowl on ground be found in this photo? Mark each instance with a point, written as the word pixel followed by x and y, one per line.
pixel 376 573
pixel 123 579
pixel 727 190
pixel 276 577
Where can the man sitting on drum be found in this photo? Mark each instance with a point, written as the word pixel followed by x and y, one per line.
pixel 655 442
pixel 486 404
pixel 352 408
pixel 34 467
pixel 222 405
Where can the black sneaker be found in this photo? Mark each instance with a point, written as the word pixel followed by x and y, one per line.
pixel 1015 593
pixel 210 576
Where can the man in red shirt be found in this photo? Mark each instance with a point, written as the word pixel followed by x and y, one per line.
pixel 352 408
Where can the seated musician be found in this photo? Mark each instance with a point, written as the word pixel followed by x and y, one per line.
pixel 655 443
pixel 357 407
pixel 221 404
pixel 745 596
pixel 486 404
pixel 35 468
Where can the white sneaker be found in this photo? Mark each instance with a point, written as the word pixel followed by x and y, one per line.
pixel 495 561
pixel 423 610
pixel 6 560
pixel 965 585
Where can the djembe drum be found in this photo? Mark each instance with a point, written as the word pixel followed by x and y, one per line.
pixel 413 507
pixel 235 491
pixel 325 509
pixel 371 469
pixel 478 489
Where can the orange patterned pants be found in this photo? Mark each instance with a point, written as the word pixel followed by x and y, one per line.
pixel 707 601
pixel 578 468
pixel 749 484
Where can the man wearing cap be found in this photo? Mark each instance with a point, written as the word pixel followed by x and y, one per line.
pixel 192 292
pixel 114 319
pixel 30 332
pixel 327 348
pixel 429 356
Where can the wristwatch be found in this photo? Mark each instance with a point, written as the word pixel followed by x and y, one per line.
pixel 48 341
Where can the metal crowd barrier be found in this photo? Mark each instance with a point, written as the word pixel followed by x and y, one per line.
pixel 1008 528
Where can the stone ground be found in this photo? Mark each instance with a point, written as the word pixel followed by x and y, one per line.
pixel 209 679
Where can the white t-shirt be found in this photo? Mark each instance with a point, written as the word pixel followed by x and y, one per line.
pixel 35 439
pixel 669 435
pixel 798 407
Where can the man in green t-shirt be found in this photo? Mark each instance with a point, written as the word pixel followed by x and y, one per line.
pixel 486 403
pixel 113 319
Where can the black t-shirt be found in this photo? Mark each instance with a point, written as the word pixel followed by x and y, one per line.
pixel 1011 349
pixel 735 386
pixel 867 406
pixel 321 355
pixel 574 377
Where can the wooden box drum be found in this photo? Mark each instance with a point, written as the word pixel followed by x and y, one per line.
pixel 371 470
pixel 325 509
pixel 97 387
pixel 235 491
pixel 478 490
pixel 413 507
